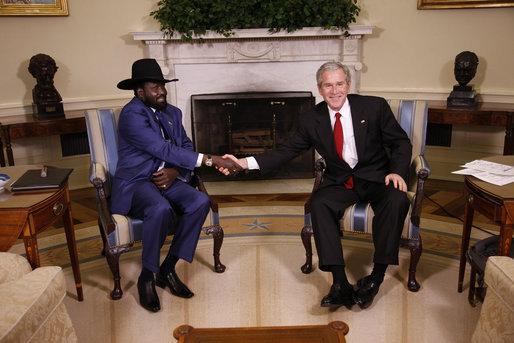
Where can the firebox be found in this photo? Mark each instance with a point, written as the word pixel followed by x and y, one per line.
pixel 245 124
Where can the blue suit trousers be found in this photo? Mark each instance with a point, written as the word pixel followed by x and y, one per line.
pixel 159 209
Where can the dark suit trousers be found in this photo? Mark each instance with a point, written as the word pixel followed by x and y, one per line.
pixel 158 210
pixel 327 208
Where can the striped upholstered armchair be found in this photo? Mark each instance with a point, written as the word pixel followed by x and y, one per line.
pixel 412 116
pixel 120 232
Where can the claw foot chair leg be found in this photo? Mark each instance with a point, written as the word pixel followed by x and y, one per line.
pixel 415 248
pixel 217 235
pixel 306 240
pixel 113 259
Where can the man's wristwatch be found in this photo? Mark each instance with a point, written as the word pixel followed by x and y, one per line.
pixel 208 161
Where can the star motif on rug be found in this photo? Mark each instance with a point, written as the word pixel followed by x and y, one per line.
pixel 257 225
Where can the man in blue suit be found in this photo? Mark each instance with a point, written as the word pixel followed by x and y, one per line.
pixel 152 178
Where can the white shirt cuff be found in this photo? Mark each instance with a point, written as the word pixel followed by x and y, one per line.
pixel 199 160
pixel 252 163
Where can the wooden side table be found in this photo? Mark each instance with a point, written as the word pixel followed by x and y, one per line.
pixel 488 114
pixel 22 126
pixel 496 203
pixel 25 215
pixel 334 332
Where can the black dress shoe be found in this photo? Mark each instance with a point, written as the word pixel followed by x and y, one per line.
pixel 367 289
pixel 338 296
pixel 173 282
pixel 148 296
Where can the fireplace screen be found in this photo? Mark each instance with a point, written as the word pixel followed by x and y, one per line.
pixel 245 124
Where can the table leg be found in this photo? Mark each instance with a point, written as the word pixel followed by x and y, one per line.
pixel 508 145
pixel 31 248
pixel 8 147
pixel 72 248
pixel 466 233
pixel 506 230
pixel 2 158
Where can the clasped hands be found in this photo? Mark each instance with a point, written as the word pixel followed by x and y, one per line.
pixel 229 164
pixel 226 164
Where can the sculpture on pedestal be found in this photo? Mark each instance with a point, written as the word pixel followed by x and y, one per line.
pixel 465 69
pixel 47 100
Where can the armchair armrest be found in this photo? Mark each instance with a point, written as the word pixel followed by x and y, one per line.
pixel 201 188
pixel 98 177
pixel 13 267
pixel 97 171
pixel 421 171
pixel 319 168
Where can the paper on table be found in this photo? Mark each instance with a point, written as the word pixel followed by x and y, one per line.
pixel 495 173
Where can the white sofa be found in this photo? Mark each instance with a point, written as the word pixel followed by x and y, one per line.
pixel 496 322
pixel 32 308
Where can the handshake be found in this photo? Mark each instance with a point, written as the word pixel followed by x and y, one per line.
pixel 227 164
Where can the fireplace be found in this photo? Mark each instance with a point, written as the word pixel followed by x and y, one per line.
pixel 252 61
pixel 245 124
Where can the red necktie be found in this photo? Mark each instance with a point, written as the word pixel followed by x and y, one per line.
pixel 339 140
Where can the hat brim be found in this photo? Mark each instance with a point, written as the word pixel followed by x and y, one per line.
pixel 129 84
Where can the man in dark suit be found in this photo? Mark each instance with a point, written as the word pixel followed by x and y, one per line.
pixel 152 180
pixel 367 155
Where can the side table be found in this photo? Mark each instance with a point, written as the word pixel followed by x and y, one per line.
pixel 496 203
pixel 25 215
pixel 22 126
pixel 334 332
pixel 489 114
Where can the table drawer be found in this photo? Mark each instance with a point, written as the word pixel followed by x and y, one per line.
pixel 50 213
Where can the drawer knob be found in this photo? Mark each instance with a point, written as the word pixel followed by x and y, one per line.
pixel 58 206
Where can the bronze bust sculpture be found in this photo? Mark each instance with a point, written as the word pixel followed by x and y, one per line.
pixel 465 68
pixel 46 98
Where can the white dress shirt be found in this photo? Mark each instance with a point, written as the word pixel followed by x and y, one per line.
pixel 349 148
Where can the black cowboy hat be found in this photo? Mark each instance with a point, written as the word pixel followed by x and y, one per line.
pixel 146 69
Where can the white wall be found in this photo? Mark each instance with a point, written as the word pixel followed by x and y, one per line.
pixel 410 54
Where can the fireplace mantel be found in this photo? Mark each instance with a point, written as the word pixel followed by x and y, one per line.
pixel 251 60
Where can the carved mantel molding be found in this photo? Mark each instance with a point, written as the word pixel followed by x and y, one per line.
pixel 251 60
pixel 258 46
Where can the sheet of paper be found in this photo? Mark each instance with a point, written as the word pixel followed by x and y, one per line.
pixel 491 167
pixel 495 173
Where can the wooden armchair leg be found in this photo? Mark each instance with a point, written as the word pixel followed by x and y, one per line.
pixel 306 240
pixel 217 234
pixel 113 259
pixel 104 239
pixel 415 248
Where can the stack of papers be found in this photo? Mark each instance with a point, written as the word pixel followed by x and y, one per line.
pixel 495 173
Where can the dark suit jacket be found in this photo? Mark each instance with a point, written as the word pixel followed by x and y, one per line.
pixel 375 130
pixel 142 148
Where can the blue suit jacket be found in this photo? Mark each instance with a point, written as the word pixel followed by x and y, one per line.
pixel 142 148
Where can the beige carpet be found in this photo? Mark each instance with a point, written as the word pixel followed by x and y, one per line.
pixel 263 286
